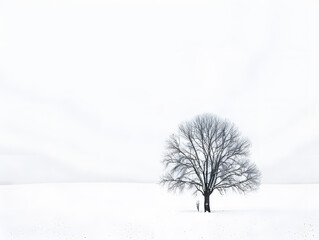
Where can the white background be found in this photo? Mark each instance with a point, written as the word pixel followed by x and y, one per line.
pixel 90 90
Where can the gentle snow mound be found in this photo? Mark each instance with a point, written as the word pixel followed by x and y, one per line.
pixel 147 211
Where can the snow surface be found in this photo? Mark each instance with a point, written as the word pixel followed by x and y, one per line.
pixel 148 211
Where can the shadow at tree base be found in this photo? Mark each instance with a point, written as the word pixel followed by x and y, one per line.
pixel 235 211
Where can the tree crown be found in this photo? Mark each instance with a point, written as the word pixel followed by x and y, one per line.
pixel 207 154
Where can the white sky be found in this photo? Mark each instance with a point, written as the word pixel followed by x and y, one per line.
pixel 90 90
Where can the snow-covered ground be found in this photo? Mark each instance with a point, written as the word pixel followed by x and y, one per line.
pixel 147 211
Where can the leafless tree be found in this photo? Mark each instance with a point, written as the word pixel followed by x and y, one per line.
pixel 209 154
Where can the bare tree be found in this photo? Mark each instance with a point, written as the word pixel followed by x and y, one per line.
pixel 209 154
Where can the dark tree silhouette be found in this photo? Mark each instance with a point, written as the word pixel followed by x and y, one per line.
pixel 209 154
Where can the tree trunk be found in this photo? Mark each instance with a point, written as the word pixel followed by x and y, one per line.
pixel 206 203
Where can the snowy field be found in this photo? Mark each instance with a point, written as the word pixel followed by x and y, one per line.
pixel 147 211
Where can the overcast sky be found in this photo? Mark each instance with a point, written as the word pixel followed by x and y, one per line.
pixel 90 90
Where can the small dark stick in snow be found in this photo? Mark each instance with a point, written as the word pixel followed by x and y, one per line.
pixel 197 205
